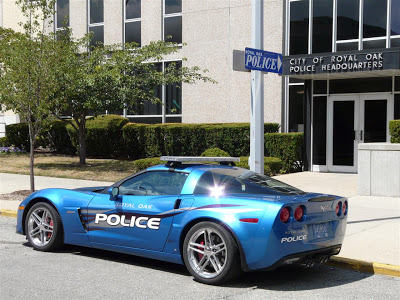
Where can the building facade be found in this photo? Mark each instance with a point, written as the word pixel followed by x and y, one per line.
pixel 341 81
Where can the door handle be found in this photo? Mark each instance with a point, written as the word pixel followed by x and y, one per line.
pixel 361 135
pixel 177 203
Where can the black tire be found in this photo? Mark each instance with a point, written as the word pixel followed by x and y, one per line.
pixel 207 272
pixel 40 234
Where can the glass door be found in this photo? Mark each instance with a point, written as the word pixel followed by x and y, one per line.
pixel 375 114
pixel 343 133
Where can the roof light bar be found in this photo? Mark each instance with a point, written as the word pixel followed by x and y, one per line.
pixel 199 158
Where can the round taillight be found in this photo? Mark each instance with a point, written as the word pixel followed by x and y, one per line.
pixel 344 208
pixel 337 210
pixel 299 213
pixel 284 215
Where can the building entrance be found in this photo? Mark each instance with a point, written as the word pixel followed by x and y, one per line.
pixel 354 119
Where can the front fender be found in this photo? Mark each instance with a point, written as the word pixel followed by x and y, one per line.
pixel 69 204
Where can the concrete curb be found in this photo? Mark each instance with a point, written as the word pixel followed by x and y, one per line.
pixel 364 266
pixel 8 213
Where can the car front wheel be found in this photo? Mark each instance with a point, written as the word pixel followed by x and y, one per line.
pixel 43 227
pixel 211 254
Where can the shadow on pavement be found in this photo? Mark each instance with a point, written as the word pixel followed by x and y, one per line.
pixel 288 278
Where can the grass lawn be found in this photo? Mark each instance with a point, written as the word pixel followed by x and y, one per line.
pixel 67 166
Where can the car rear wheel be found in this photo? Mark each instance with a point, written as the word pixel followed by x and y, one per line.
pixel 43 227
pixel 210 253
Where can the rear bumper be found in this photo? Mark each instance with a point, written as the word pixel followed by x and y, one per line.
pixel 302 257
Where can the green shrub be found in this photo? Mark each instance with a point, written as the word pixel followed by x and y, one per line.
pixel 394 130
pixel 4 142
pixel 56 138
pixel 18 136
pixel 188 139
pixel 272 165
pixel 215 152
pixel 288 147
pixel 103 136
pixel 142 164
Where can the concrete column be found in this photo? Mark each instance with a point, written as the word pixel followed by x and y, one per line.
pixel 78 18
pixel 113 22
pixel 151 21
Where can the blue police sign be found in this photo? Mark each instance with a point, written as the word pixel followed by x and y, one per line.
pixel 261 60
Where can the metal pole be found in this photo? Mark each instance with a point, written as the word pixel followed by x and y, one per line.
pixel 256 160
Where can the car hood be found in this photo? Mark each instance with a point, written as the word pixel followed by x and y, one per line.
pixel 93 189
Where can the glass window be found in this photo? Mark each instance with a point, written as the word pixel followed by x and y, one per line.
pixel 133 32
pixel 299 27
pixel 347 46
pixel 154 184
pixel 173 94
pixel 173 6
pixel 218 182
pixel 96 11
pixel 360 85
pixel 173 28
pixel 98 36
pixel 296 96
pixel 395 17
pixel 397 84
pixel 146 120
pixel 319 130
pixel 397 107
pixel 375 44
pixel 395 43
pixel 62 13
pixel 375 16
pixel 347 19
pixel 322 26
pixel 320 87
pixel 132 9
pixel 174 120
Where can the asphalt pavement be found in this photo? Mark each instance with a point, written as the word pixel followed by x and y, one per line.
pixel 83 273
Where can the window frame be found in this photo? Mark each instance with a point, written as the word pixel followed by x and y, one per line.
pixel 133 20
pixel 165 16
pixel 91 25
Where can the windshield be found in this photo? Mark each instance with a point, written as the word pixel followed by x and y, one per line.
pixel 218 182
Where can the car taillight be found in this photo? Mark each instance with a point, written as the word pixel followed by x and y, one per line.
pixel 284 215
pixel 344 208
pixel 337 210
pixel 299 213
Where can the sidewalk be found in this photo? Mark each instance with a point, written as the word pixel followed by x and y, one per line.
pixel 373 230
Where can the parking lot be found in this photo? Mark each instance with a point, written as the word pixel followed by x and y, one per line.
pixel 82 273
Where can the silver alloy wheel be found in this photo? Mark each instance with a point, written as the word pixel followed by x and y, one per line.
pixel 207 253
pixel 40 226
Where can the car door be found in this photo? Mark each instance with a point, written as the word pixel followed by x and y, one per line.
pixel 141 215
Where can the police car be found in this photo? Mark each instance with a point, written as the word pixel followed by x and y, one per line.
pixel 217 219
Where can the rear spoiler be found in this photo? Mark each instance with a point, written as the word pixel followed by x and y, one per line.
pixel 322 199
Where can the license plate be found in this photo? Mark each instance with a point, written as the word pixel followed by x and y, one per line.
pixel 320 230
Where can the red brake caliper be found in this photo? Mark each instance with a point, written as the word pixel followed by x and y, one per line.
pixel 49 233
pixel 201 255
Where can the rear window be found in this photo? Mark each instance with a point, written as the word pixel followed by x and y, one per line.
pixel 241 181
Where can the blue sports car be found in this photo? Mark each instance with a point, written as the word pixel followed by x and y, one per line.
pixel 216 219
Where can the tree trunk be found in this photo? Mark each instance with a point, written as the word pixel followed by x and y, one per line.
pixel 82 141
pixel 31 164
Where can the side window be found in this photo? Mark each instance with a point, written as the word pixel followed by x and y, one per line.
pixel 154 184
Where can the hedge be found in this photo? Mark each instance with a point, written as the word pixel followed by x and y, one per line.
pixel 103 136
pixel 288 147
pixel 142 164
pixel 394 130
pixel 56 138
pixel 18 136
pixel 4 142
pixel 188 139
pixel 272 165
pixel 215 152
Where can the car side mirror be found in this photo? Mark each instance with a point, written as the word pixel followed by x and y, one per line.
pixel 113 191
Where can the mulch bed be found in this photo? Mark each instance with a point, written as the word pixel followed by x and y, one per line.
pixel 17 195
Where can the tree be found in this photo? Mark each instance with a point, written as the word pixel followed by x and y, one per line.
pixel 29 70
pixel 112 78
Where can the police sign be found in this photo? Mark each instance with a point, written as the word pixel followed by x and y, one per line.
pixel 264 61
